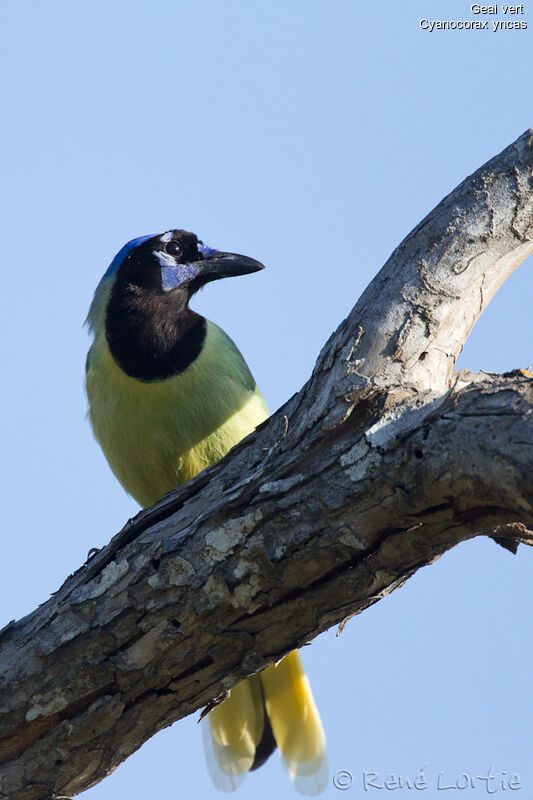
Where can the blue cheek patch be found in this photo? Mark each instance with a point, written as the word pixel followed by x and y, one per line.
pixel 174 276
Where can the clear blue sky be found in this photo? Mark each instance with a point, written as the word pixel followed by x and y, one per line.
pixel 312 136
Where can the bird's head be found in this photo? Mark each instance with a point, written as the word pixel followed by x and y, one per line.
pixel 172 265
pixel 176 259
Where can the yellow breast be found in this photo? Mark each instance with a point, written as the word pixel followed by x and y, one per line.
pixel 158 435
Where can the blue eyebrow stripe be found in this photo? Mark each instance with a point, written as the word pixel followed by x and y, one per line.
pixel 207 252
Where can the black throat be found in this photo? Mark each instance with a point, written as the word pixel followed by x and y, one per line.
pixel 152 335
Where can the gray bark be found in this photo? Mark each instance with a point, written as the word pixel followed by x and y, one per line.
pixel 383 461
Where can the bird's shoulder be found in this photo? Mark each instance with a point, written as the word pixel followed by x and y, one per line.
pixel 223 350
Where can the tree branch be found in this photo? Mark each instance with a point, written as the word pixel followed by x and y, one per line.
pixel 359 480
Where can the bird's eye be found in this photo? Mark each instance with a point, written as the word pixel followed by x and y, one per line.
pixel 173 249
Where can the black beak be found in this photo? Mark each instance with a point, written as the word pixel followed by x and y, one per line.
pixel 227 265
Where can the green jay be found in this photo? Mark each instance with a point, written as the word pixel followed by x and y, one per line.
pixel 169 394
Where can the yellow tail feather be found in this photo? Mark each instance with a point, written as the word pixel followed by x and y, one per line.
pixel 235 727
pixel 296 723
